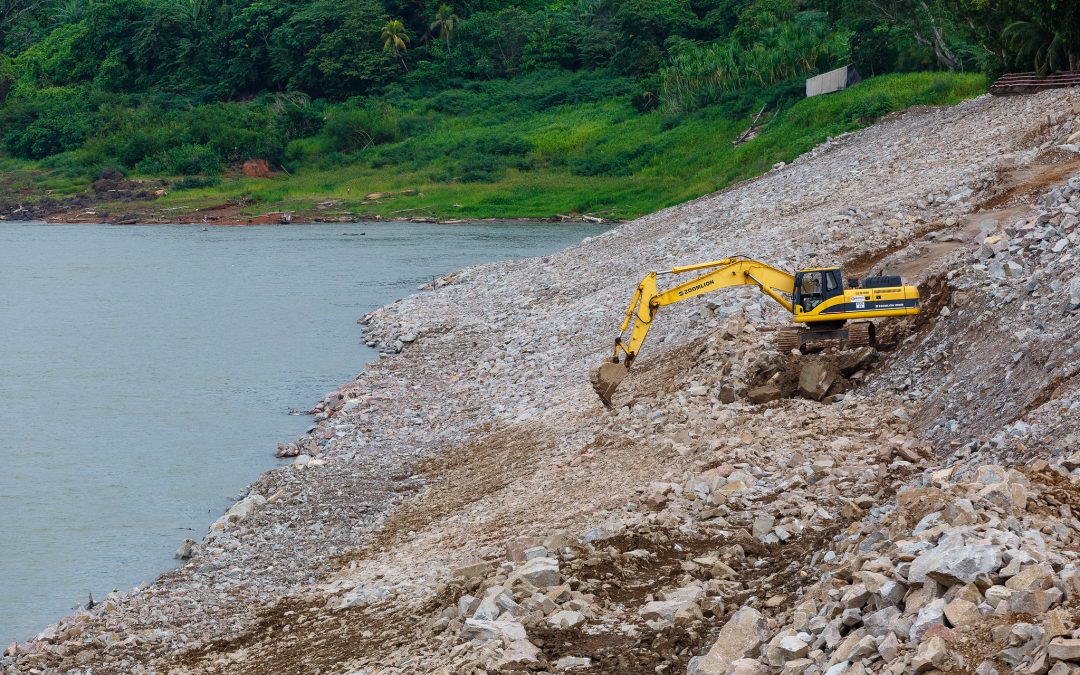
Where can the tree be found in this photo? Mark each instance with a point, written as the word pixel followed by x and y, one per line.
pixel 7 76
pixel 331 48
pixel 644 26
pixel 1060 23
pixel 395 39
pixel 445 21
pixel 1033 45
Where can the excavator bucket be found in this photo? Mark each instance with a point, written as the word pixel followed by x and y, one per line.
pixel 606 380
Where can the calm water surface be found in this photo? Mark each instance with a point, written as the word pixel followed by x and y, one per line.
pixel 147 372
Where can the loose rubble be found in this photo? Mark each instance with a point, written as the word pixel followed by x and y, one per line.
pixel 467 506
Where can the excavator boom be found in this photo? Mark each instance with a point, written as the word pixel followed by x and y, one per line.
pixel 721 274
pixel 647 300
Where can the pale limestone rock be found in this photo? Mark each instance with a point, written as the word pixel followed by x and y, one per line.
pixel 740 637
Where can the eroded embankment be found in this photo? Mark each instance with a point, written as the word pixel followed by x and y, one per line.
pixel 467 505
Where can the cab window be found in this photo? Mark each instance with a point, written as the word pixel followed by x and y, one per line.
pixel 810 293
pixel 811 282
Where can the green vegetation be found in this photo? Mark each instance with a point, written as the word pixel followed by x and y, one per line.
pixel 487 108
pixel 602 157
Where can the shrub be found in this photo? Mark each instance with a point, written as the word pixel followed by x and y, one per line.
pixel 54 121
pixel 869 108
pixel 295 116
pixel 135 146
pixel 185 160
pixel 195 182
pixel 497 144
pixel 416 125
pixel 454 102
pixel 600 161
pixel 352 129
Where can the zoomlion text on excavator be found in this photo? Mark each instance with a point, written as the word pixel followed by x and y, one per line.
pixel 816 298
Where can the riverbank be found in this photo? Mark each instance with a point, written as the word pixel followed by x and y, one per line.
pixel 398 540
pixel 593 160
pixel 137 208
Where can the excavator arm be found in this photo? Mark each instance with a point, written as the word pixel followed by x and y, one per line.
pixel 647 300
pixel 722 274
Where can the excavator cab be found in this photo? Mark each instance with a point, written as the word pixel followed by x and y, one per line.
pixel 813 287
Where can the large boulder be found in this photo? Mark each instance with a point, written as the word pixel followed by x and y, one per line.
pixel 741 637
pixel 851 362
pixel 765 394
pixel 954 562
pixel 566 618
pixel 540 572
pixel 662 609
pixel 239 511
pixel 520 655
pixel 815 378
pixel 1074 293
pixel 497 600
pixel 481 630
pixel 186 550
pixel 1065 649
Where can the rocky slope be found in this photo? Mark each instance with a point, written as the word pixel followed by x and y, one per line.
pixel 467 505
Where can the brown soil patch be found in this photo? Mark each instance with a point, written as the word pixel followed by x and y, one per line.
pixel 297 637
pixel 659 372
pixel 934 295
pixel 978 645
pixel 864 264
pixel 257 168
pixel 628 580
pixel 1047 393
pixel 764 571
pixel 457 477
pixel 617 653
pixel 1056 490
pixel 1016 186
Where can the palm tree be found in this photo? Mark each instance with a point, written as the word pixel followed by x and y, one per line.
pixel 445 22
pixel 1033 44
pixel 394 37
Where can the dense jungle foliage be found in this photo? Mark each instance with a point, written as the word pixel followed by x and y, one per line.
pixel 472 92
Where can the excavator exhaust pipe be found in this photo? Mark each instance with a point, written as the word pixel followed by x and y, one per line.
pixel 607 378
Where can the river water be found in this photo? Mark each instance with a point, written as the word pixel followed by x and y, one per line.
pixel 147 372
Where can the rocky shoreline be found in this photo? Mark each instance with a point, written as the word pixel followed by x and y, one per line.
pixel 115 200
pixel 467 506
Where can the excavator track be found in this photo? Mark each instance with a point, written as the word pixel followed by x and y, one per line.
pixel 861 334
pixel 853 335
pixel 788 339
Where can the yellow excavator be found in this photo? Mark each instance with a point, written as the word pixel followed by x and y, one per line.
pixel 815 297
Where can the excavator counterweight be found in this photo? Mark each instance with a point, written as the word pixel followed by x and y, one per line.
pixel 815 297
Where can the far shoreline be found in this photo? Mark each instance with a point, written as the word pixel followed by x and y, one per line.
pixel 91 211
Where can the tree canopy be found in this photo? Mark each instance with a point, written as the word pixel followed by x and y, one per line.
pixel 69 69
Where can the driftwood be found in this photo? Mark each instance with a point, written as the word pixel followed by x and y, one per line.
pixel 746 134
pixel 582 218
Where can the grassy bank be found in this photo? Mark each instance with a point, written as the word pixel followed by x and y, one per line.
pixel 501 150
